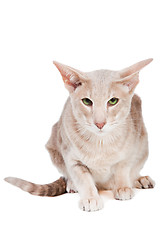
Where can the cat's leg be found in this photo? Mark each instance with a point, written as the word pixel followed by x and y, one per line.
pixel 70 186
pixel 122 185
pixel 55 154
pixel 83 181
pixel 57 160
pixel 139 181
pixel 144 182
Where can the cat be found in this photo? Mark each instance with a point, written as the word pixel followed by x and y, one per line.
pixel 100 141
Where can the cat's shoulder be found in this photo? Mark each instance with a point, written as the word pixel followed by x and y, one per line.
pixel 136 109
pixel 136 113
pixel 136 100
pixel 136 103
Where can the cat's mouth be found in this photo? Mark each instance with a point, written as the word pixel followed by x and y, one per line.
pixel 103 131
pixel 94 129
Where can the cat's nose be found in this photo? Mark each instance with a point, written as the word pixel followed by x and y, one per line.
pixel 100 125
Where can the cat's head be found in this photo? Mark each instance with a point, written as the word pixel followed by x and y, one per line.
pixel 101 99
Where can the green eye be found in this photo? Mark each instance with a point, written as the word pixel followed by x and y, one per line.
pixel 113 101
pixel 87 101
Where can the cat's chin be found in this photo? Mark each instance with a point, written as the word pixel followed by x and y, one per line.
pixel 99 132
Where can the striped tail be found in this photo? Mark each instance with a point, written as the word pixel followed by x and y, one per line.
pixel 52 189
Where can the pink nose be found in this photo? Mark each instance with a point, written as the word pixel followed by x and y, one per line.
pixel 100 125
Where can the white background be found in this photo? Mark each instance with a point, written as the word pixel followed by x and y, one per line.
pixel 87 35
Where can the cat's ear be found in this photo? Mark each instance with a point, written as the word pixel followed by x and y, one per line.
pixel 129 77
pixel 72 78
pixel 134 68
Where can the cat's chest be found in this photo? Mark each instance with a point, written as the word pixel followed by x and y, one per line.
pixel 100 163
pixel 100 156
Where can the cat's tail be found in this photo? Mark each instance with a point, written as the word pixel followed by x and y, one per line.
pixel 52 189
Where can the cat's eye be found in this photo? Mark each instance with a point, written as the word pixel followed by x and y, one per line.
pixel 87 101
pixel 113 101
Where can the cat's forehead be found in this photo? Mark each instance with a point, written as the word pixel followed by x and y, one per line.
pixel 101 83
pixel 106 76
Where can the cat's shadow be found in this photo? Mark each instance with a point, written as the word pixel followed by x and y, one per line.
pixel 108 195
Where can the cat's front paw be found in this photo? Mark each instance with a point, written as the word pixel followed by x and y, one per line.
pixel 91 204
pixel 124 193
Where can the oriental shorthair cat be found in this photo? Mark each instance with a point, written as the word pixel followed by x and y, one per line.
pixel 100 141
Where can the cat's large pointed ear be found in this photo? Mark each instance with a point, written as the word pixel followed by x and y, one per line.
pixel 72 78
pixel 130 76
